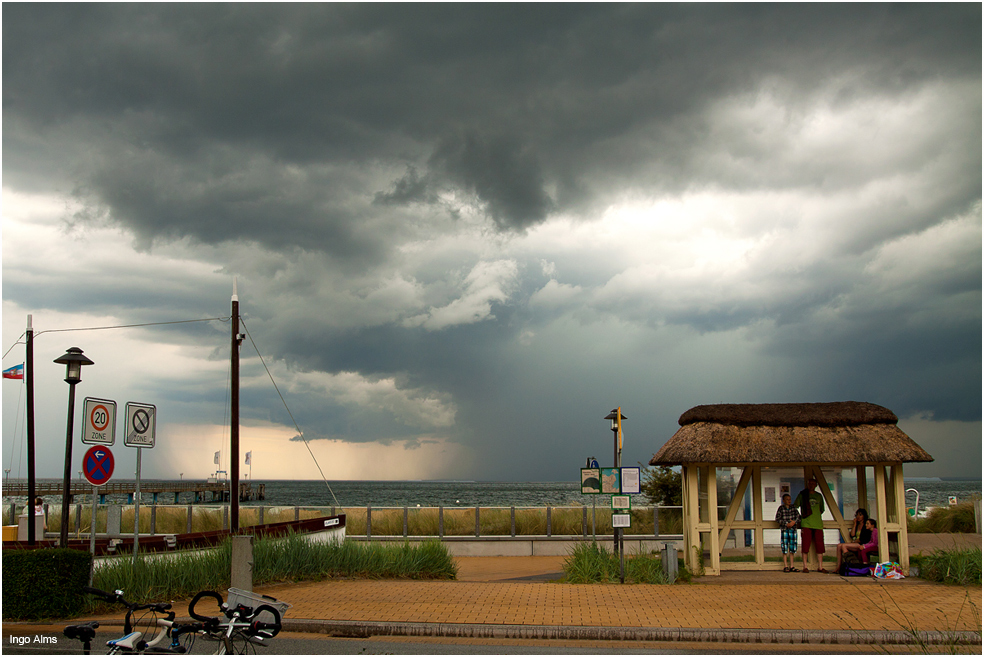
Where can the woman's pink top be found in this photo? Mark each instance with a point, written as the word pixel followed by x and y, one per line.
pixel 870 546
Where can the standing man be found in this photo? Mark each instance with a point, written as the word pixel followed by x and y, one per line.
pixel 811 507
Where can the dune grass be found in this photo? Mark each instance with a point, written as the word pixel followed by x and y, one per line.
pixel 593 563
pixel 957 519
pixel 386 521
pixel 951 566
pixel 289 559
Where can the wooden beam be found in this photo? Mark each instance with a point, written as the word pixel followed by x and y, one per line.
pixel 862 474
pixel 903 533
pixel 757 509
pixel 881 508
pixel 747 565
pixel 831 503
pixel 693 517
pixel 712 516
pixel 736 503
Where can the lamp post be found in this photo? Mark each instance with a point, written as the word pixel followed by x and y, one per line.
pixel 616 418
pixel 73 360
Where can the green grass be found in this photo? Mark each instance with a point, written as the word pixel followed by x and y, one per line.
pixel 953 566
pixel 958 519
pixel 289 559
pixel 591 563
pixel 458 521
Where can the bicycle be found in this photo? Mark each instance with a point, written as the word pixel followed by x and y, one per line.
pixel 244 627
pixel 132 641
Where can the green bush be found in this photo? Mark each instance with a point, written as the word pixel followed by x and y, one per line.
pixel 44 583
pixel 289 559
pixel 958 519
pixel 591 563
pixel 955 566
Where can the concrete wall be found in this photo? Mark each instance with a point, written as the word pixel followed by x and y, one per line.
pixel 524 546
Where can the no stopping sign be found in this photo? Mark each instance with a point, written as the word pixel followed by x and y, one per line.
pixel 97 465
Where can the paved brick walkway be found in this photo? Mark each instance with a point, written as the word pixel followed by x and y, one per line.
pixel 839 605
pixel 516 597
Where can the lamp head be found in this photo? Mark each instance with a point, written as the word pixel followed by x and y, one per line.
pixel 73 360
pixel 614 416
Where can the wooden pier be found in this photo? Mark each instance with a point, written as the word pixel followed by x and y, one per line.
pixel 200 491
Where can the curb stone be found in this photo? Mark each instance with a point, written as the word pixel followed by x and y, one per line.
pixel 365 629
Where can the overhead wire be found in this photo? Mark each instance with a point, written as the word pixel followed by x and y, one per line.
pixel 100 328
pixel 299 432
pixel 209 319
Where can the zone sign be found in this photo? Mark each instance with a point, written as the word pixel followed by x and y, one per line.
pixel 99 423
pixel 141 422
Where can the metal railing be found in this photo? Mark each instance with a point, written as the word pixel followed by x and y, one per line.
pixel 440 522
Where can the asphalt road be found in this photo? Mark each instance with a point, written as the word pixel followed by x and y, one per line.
pixel 47 642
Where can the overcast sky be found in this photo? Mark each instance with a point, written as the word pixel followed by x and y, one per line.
pixel 464 233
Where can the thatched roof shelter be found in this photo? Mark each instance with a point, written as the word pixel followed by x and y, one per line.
pixel 758 438
pixel 839 432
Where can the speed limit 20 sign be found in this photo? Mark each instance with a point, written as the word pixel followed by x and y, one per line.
pixel 99 423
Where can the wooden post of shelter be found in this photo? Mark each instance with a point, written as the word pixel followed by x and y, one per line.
pixel 815 439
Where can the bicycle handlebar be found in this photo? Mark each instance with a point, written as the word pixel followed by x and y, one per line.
pixel 195 600
pixel 268 630
pixel 116 596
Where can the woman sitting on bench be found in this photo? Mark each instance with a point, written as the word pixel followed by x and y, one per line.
pixel 867 542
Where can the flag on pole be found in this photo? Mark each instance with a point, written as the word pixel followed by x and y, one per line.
pixel 248 454
pixel 15 372
pixel 216 458
pixel 618 418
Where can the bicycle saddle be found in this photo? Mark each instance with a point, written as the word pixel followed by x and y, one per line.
pixel 131 641
pixel 83 632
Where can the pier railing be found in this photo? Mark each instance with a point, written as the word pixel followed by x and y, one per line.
pixel 369 521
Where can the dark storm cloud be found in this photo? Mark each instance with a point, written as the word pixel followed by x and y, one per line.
pixel 508 180
pixel 377 175
pixel 201 115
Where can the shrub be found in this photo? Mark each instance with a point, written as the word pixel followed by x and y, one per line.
pixel 293 558
pixel 958 519
pixel 956 566
pixel 44 583
pixel 591 563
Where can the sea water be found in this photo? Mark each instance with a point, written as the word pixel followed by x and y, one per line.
pixel 932 492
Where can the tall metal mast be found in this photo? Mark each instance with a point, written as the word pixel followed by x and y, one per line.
pixel 234 414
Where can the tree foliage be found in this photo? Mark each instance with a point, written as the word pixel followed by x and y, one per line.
pixel 662 485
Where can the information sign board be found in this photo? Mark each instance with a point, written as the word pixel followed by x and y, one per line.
pixel 590 481
pixel 99 422
pixel 141 423
pixel 631 480
pixel 610 481
pixel 621 502
pixel 621 520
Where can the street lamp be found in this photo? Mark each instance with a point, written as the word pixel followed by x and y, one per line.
pixel 73 360
pixel 616 418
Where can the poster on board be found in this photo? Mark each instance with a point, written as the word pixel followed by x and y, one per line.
pixel 632 480
pixel 590 481
pixel 611 482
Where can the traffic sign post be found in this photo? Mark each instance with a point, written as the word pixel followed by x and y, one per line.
pixel 141 425
pixel 99 422
pixel 97 466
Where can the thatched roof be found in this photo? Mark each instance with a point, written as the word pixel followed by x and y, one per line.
pixel 840 432
pixel 836 414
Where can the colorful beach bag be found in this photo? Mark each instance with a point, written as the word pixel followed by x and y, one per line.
pixel 888 570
